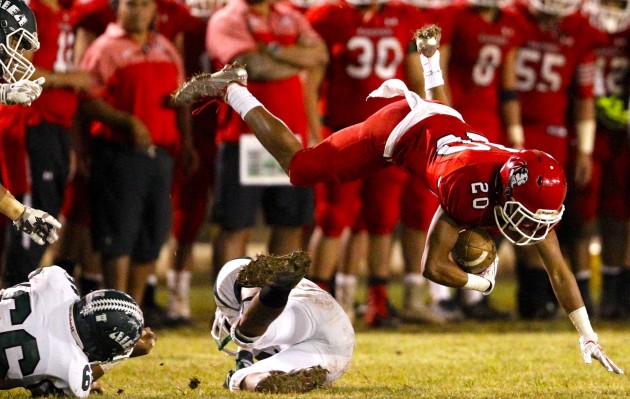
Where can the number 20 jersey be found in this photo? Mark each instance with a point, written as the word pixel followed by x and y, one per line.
pixel 366 48
pixel 36 342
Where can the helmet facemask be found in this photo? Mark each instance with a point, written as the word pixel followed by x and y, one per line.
pixel 558 8
pixel 17 34
pixel 609 16
pixel 523 227
pixel 221 328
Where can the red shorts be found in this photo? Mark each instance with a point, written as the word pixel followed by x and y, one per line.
pixel 337 206
pixel 418 204
pixel 381 201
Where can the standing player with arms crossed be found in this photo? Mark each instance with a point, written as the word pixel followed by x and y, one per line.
pixel 518 193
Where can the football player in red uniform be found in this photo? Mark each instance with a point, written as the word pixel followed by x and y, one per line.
pixel 368 42
pixel 606 196
pixel 481 38
pixel 555 71
pixel 516 193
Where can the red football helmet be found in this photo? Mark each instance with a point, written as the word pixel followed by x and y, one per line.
pixel 611 16
pixel 560 8
pixel 533 187
pixel 429 3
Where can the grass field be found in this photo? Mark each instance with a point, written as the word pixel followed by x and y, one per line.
pixel 469 360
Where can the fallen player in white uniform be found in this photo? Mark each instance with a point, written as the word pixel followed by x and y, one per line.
pixel 54 343
pixel 298 333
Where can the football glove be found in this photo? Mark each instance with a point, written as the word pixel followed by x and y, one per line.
pixel 39 225
pixel 21 92
pixel 489 274
pixel 592 350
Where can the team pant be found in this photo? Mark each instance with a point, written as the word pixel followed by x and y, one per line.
pixel 313 330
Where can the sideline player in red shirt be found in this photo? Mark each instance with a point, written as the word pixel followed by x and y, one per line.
pixel 555 71
pixel 368 42
pixel 518 193
pixel 606 195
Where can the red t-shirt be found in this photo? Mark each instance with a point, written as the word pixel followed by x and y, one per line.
pixel 138 79
pixel 478 50
pixel 56 37
pixel 365 50
pixel 234 30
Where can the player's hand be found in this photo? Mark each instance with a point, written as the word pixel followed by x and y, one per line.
pixel 97 387
pixel 490 274
pixel 592 350
pixel 141 135
pixel 21 92
pixel 39 225
pixel 145 343
pixel 428 40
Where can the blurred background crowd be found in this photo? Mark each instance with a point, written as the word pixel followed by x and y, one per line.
pixel 127 172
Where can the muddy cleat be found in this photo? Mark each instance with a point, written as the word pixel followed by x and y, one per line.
pixel 283 271
pixel 294 382
pixel 206 87
pixel 428 39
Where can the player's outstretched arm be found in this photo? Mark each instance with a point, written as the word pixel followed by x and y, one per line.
pixel 569 297
pixel 428 43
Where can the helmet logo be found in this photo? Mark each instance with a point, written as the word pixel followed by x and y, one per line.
pixel 519 176
pixel 122 339
pixel 14 10
pixel 101 317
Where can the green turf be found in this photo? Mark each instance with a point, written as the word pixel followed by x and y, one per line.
pixel 469 360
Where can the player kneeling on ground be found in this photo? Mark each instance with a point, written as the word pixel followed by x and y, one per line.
pixel 299 334
pixel 55 343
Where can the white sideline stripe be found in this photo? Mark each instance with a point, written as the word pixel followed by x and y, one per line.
pixel 477 261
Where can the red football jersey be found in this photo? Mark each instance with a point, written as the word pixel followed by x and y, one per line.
pixel 478 51
pixel 550 64
pixel 613 61
pixel 365 50
pixel 56 39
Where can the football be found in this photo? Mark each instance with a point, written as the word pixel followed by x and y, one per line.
pixel 474 250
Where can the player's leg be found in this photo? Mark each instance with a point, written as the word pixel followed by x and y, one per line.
pixel 189 199
pixel 418 205
pixel 346 155
pixel 319 342
pixel 614 212
pixel 381 196
pixel 535 297
pixel 277 276
pixel 337 205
